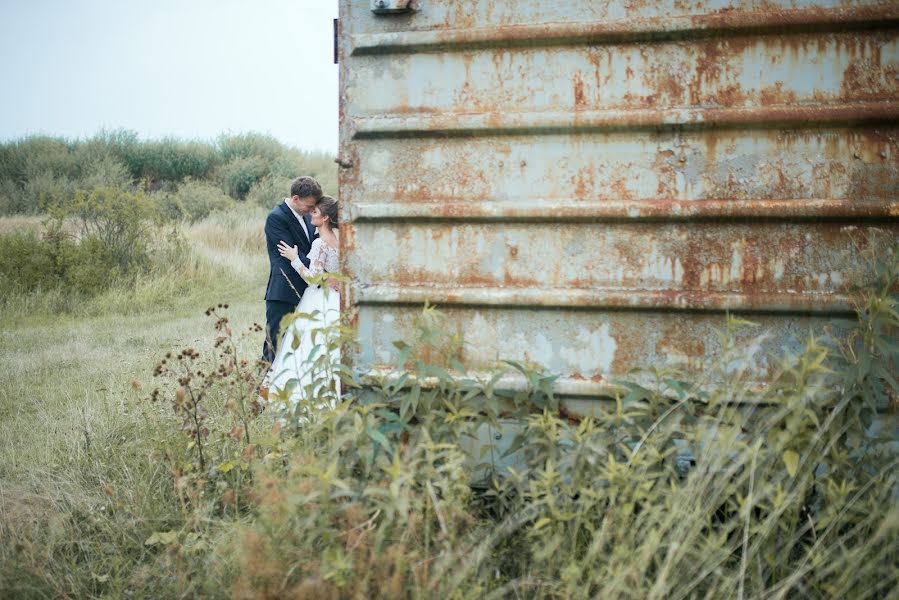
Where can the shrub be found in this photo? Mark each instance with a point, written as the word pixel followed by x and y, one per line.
pixel 250 145
pixel 194 200
pixel 269 191
pixel 12 164
pixel 117 144
pixel 12 198
pixel 41 155
pixel 105 171
pixel 29 263
pixel 240 174
pixel 123 222
pixel 44 191
pixel 91 266
pixel 170 160
pixel 315 164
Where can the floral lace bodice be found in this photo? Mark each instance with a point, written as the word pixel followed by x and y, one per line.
pixel 322 257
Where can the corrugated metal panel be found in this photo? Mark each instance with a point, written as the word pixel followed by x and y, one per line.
pixel 591 184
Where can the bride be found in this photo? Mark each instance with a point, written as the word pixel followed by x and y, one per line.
pixel 310 346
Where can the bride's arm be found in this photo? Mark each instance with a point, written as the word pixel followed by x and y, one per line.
pixel 316 260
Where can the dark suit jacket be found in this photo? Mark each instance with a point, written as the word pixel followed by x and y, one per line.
pixel 282 225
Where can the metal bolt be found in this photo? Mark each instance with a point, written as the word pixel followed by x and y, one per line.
pixel 883 154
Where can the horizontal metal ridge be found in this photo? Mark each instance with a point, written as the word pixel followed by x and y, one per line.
pixel 572 209
pixel 631 30
pixel 573 121
pixel 615 299
pixel 509 381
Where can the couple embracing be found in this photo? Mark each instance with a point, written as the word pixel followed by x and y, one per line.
pixel 302 243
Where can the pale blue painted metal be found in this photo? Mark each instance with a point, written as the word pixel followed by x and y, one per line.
pixel 592 184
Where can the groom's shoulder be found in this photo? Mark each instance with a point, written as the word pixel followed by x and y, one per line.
pixel 277 211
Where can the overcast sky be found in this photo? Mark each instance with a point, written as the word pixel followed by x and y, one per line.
pixel 187 68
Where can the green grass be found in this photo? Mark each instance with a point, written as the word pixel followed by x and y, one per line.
pixel 81 482
pixel 102 495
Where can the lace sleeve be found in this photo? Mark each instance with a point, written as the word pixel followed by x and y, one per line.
pixel 316 258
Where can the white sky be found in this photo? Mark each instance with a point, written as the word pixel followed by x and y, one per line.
pixel 187 68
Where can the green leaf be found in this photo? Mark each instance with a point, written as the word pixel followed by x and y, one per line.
pixel 542 522
pixel 225 467
pixel 677 386
pixel 736 321
pixel 864 364
pixel 379 438
pixel 791 460
pixel 517 444
pixel 455 364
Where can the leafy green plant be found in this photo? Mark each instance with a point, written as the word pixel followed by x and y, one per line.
pixel 28 263
pixel 194 201
pixel 240 174
pixel 429 481
pixel 122 223
pixel 269 191
pixel 686 486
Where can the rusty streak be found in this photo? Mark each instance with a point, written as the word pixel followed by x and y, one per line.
pixel 570 209
pixel 618 299
pixel 497 123
pixel 631 30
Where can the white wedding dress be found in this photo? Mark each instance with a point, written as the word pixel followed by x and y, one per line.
pixel 303 365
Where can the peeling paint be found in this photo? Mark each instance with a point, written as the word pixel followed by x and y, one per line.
pixel 592 185
pixel 592 353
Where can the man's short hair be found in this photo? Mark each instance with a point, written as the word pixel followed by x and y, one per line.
pixel 305 187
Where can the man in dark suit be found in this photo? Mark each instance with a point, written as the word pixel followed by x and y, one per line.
pixel 288 222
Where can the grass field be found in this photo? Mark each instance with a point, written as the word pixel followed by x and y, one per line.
pixel 78 443
pixel 102 494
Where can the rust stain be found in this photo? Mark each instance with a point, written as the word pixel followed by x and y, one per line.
pixel 753 212
pixel 584 182
pixel 580 100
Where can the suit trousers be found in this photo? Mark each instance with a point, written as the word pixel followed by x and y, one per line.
pixel 274 312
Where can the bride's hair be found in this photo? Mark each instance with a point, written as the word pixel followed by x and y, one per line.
pixel 327 206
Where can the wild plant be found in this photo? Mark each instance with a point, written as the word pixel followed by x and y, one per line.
pixel 432 481
pixel 217 452
pixel 720 485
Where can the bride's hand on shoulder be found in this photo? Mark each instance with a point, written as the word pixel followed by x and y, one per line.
pixel 289 252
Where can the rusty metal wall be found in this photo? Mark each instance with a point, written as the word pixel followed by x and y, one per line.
pixel 591 184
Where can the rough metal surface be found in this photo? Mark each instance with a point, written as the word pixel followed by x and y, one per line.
pixel 592 184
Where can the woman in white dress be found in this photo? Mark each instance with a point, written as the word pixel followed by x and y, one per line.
pixel 310 346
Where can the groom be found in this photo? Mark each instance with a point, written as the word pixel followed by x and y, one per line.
pixel 288 222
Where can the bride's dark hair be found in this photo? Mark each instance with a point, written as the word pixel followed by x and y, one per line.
pixel 327 206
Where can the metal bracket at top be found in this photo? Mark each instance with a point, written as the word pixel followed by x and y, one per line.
pixel 392 7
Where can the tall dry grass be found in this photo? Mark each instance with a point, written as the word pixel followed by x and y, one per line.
pixel 81 484
pixel 703 487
